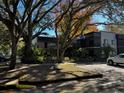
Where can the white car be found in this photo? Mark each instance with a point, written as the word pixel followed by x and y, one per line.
pixel 118 59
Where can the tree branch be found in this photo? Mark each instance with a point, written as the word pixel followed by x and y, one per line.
pixel 47 12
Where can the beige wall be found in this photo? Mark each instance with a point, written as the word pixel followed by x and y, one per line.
pixel 40 44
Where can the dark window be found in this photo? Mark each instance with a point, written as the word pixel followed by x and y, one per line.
pixel 97 41
pixel 113 42
pixel 45 45
pixel 120 42
pixel 121 56
pixel 105 42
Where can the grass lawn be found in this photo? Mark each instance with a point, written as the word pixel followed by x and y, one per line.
pixel 47 73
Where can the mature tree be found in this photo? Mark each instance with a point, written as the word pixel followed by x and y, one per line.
pixel 15 21
pixel 74 18
pixel 91 28
pixel 21 17
pixel 116 28
pixel 38 20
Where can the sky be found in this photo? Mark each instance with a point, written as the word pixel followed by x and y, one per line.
pixel 96 18
pixel 100 19
pixel 50 32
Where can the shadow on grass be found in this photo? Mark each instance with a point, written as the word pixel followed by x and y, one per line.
pixel 56 74
pixel 45 74
pixel 32 72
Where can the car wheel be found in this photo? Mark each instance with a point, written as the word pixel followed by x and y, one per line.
pixel 117 64
pixel 110 62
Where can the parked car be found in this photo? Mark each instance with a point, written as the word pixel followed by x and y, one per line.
pixel 118 59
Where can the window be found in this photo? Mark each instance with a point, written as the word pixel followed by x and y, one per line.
pixel 105 42
pixel 113 42
pixel 52 45
pixel 121 56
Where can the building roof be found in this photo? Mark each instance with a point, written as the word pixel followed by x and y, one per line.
pixel 47 39
pixel 104 32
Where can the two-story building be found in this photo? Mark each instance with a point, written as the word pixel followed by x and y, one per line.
pixel 95 41
pixel 48 44
pixel 44 42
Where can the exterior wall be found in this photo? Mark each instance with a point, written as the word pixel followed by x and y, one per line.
pixel 109 39
pixel 94 42
pixel 91 40
pixel 46 42
pixel 40 45
pixel 120 43
pixel 97 40
pixel 34 42
pixel 46 45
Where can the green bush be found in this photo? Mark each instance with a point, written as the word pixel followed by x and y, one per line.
pixel 106 50
pixel 40 58
pixel 79 53
pixel 38 51
pixel 37 55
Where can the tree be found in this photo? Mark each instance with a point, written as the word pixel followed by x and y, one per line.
pixel 116 28
pixel 38 20
pixel 21 18
pixel 90 28
pixel 76 15
pixel 72 20
pixel 11 17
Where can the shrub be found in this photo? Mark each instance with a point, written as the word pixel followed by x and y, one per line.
pixel 36 56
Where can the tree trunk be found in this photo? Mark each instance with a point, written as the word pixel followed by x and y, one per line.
pixel 58 52
pixel 60 57
pixel 28 55
pixel 13 54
